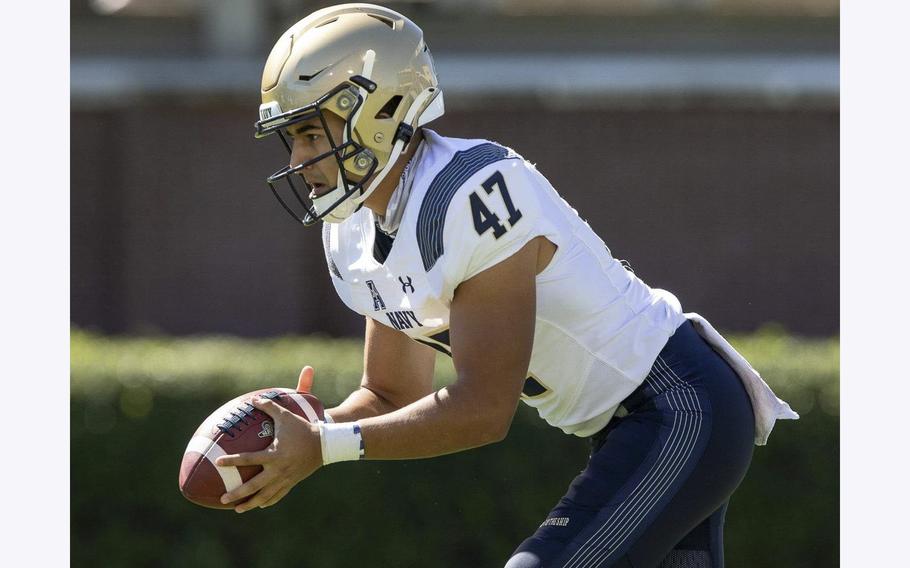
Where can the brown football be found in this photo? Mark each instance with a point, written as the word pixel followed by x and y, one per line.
pixel 237 426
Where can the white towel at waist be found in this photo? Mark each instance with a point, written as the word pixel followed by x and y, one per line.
pixel 765 404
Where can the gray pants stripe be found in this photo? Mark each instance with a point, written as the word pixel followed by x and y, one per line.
pixel 672 458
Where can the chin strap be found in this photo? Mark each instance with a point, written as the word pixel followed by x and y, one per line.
pixel 402 138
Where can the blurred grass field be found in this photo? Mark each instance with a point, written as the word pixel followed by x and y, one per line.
pixel 134 402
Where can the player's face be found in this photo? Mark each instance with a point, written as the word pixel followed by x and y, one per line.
pixel 309 140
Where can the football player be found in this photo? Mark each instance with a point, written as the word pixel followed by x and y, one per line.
pixel 462 246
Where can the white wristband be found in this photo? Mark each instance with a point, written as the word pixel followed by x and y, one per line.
pixel 340 442
pixel 328 418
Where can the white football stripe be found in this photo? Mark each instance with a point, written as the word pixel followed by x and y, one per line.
pixel 198 444
pixel 230 475
pixel 304 405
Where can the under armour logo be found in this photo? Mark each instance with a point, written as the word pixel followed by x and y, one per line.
pixel 267 430
pixel 378 304
pixel 406 285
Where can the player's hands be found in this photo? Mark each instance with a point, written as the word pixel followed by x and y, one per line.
pixel 294 455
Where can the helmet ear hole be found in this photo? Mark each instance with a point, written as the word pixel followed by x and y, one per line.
pixel 389 108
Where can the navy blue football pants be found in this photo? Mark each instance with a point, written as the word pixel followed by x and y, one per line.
pixel 658 480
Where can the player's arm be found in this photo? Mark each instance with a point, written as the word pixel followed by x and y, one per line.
pixel 491 328
pixel 492 332
pixel 396 372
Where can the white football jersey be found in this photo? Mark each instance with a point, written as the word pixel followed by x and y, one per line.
pixel 474 203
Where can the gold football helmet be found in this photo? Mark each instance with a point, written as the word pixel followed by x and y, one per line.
pixel 366 64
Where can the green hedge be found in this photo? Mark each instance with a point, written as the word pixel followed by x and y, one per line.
pixel 135 401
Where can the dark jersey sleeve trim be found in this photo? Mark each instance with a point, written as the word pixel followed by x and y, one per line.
pixel 432 217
